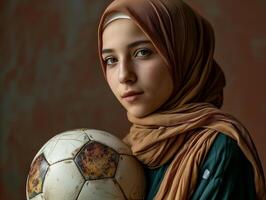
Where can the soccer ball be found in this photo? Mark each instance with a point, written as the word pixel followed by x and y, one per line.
pixel 85 164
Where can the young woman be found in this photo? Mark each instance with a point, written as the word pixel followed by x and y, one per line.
pixel 157 57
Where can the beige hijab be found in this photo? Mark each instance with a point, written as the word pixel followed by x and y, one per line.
pixel 184 128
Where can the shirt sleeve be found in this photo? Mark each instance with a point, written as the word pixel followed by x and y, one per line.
pixel 225 173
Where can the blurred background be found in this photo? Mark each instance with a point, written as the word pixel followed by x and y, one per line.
pixel 51 81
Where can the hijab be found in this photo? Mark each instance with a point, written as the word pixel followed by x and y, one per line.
pixel 185 126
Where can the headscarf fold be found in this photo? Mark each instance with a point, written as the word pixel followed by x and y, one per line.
pixel 183 129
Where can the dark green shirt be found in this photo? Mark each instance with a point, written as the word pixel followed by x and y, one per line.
pixel 225 174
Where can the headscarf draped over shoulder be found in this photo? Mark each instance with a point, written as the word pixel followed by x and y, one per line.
pixel 185 126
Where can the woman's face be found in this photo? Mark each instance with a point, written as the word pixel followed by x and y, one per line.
pixel 136 73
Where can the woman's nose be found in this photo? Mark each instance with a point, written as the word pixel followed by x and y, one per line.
pixel 126 72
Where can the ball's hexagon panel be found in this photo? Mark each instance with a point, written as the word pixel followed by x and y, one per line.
pixel 109 140
pixel 103 189
pixel 38 197
pixel 63 181
pixel 97 161
pixel 64 146
pixel 130 176
pixel 43 147
pixel 36 176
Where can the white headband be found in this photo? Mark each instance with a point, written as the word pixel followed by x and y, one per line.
pixel 113 17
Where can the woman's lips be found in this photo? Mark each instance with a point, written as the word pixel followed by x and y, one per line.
pixel 131 96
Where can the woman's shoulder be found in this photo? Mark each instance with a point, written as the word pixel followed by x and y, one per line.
pixel 225 147
pixel 225 172
pixel 224 153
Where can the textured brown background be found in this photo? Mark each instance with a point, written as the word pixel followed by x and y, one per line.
pixel 50 79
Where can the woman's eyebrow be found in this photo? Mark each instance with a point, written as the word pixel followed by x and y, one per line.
pixel 131 45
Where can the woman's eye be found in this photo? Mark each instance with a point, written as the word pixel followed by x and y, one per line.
pixel 110 60
pixel 143 52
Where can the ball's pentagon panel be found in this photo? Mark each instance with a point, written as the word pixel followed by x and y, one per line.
pixel 36 176
pixel 63 181
pixel 109 140
pixel 130 176
pixel 97 161
pixel 103 189
pixel 65 146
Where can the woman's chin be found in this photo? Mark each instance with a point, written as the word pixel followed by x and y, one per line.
pixel 138 113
